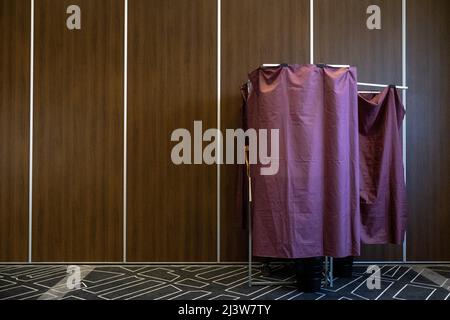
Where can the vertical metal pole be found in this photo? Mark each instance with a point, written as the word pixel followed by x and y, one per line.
pixel 249 245
pixel 404 80
pixel 125 129
pixel 30 177
pixel 311 31
pixel 331 272
pixel 219 135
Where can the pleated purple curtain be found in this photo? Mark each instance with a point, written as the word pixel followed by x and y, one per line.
pixel 311 206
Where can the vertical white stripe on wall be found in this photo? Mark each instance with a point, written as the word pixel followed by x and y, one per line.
pixel 125 116
pixel 219 141
pixel 404 80
pixel 30 164
pixel 311 31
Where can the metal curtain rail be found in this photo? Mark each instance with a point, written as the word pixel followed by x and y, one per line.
pixel 365 84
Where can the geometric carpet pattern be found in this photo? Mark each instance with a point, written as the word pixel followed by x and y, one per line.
pixel 223 282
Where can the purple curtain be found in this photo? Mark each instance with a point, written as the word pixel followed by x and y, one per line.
pixel 383 190
pixel 311 206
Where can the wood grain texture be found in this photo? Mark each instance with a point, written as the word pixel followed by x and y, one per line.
pixel 342 37
pixel 253 32
pixel 78 120
pixel 172 82
pixel 14 128
pixel 428 130
pixel 78 132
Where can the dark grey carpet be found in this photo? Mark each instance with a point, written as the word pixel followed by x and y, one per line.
pixel 188 282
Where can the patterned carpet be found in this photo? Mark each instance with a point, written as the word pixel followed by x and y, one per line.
pixel 225 282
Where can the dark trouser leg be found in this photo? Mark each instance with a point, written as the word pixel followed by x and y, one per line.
pixel 309 273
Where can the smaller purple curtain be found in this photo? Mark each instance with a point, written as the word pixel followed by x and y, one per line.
pixel 382 183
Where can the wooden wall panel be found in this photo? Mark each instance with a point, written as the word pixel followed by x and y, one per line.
pixel 428 130
pixel 78 132
pixel 172 82
pixel 253 32
pixel 342 37
pixel 14 128
pixel 78 120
